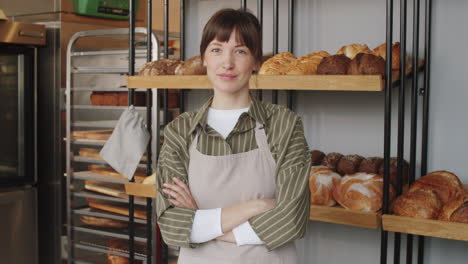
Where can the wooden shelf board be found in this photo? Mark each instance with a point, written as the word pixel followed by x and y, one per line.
pixel 140 190
pixel 340 215
pixel 425 227
pixel 266 82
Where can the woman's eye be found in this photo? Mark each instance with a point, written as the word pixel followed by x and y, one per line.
pixel 215 50
pixel 241 52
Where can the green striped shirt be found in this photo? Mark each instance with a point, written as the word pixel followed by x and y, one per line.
pixel 287 221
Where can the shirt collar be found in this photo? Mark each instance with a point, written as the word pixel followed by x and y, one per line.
pixel 256 111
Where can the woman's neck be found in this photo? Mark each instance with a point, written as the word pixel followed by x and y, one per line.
pixel 223 101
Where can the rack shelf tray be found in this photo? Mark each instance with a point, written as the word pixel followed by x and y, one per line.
pixel 340 215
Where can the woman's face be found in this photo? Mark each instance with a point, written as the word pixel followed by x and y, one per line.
pixel 229 65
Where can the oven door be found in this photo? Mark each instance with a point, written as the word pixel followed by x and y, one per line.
pixel 17 115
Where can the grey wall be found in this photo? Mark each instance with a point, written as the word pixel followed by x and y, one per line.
pixel 352 122
pixel 18 7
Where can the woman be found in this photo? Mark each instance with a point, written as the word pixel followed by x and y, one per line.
pixel 233 176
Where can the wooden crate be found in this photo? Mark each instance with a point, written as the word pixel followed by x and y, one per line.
pixel 340 215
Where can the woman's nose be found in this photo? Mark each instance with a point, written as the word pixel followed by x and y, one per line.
pixel 228 61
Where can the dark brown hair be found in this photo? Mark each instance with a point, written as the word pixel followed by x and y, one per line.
pixel 223 22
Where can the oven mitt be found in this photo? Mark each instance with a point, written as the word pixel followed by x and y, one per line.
pixel 127 143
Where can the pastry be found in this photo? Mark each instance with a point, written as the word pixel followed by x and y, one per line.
pixel 445 184
pixel 360 192
pixel 352 50
pixel 349 164
pixel 456 210
pixel 331 160
pixel 321 183
pixel 307 64
pixel 159 67
pixel 382 52
pixel 316 157
pixel 371 165
pixel 278 64
pixel 336 64
pixel 421 203
pixel 192 66
pixel 367 64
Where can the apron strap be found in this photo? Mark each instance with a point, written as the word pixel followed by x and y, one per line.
pixel 261 137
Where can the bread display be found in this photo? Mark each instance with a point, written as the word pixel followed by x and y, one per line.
pixel 445 184
pixel 118 246
pixel 336 64
pixel 116 98
pixel 278 64
pixel 159 67
pixel 456 210
pixel 360 192
pixel 381 51
pixel 367 64
pixel 102 222
pixel 354 49
pixel 192 66
pixel 321 183
pixel 316 157
pixel 421 203
pixel 331 160
pixel 394 171
pixel 371 165
pixel 349 164
pixel 307 64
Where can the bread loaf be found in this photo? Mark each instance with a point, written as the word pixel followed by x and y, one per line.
pixel 331 160
pixel 159 67
pixel 394 171
pixel 367 64
pixel 118 246
pixel 382 52
pixel 371 165
pixel 354 49
pixel 316 157
pixel 102 222
pixel 456 210
pixel 192 66
pixel 336 64
pixel 307 64
pixel 278 64
pixel 421 203
pixel 360 192
pixel 445 184
pixel 349 164
pixel 321 183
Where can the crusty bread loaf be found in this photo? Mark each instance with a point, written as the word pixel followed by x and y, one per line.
pixel 336 64
pixel 278 64
pixel 421 203
pixel 307 64
pixel 316 157
pixel 394 171
pixel 360 192
pixel 321 183
pixel 192 66
pixel 118 246
pixel 371 165
pixel 159 67
pixel 367 64
pixel 349 164
pixel 331 160
pixel 445 184
pixel 381 51
pixel 456 210
pixel 102 222
pixel 354 49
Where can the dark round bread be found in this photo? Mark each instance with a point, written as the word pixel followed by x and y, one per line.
pixel 371 165
pixel 317 157
pixel 393 171
pixel 336 64
pixel 367 64
pixel 349 164
pixel 331 160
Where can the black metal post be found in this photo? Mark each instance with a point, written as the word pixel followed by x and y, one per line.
pixel 244 4
pixel 260 19
pixel 182 51
pixel 289 93
pixel 274 93
pixel 425 91
pixel 166 55
pixel 387 125
pixel 131 72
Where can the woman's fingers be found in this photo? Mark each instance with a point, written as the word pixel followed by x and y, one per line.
pixel 181 184
pixel 179 190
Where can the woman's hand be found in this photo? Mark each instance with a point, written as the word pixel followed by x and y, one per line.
pixel 227 237
pixel 180 193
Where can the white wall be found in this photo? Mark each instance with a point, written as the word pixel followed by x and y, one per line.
pixel 352 122
pixel 18 7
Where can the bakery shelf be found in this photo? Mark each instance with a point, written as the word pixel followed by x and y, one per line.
pixel 90 89
pixel 94 124
pixel 88 142
pixel 141 190
pixel 268 82
pixel 106 233
pixel 101 70
pixel 340 215
pixel 101 249
pixel 106 52
pixel 105 107
pixel 425 227
pixel 86 194
pixel 89 212
pixel 96 161
pixel 89 175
